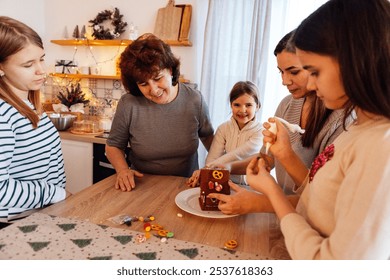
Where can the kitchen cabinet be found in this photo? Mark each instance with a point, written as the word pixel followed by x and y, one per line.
pixel 78 159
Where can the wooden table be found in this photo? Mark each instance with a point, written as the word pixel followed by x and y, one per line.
pixel 155 195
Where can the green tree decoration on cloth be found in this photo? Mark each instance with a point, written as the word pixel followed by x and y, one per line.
pixel 72 95
pixel 102 33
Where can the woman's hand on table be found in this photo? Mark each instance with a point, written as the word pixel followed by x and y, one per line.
pixel 125 179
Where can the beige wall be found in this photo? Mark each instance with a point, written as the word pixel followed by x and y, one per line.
pixel 56 19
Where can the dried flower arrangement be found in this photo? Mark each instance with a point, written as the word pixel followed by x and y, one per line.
pixel 72 95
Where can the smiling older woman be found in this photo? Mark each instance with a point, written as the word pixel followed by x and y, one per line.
pixel 161 119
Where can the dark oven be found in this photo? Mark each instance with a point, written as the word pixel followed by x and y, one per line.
pixel 102 167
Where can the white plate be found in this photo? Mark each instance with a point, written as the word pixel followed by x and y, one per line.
pixel 188 201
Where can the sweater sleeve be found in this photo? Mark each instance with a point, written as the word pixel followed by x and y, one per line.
pixel 217 148
pixel 247 149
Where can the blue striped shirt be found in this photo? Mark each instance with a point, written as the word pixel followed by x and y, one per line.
pixel 32 171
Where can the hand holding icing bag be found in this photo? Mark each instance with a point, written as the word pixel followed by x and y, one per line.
pixel 274 130
pixel 292 127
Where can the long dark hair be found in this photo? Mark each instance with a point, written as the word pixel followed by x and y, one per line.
pixel 318 114
pixel 357 34
pixel 144 59
pixel 14 36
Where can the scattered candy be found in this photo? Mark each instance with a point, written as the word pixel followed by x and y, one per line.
pixel 147 227
pixel 127 220
pixel 140 238
pixel 162 232
pixel 157 227
pixel 231 244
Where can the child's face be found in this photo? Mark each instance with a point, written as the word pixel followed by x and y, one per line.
pixel 324 78
pixel 244 109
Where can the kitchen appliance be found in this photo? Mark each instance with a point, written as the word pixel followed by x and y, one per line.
pixel 102 167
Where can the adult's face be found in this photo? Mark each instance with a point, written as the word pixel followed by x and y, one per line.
pixel 294 77
pixel 159 89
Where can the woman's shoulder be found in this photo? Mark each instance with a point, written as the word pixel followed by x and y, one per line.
pixel 129 98
pixel 189 91
pixel 289 104
pixel 369 141
pixel 336 120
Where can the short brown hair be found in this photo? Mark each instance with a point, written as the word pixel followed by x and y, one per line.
pixel 143 59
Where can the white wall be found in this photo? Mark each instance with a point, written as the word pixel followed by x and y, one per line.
pixel 30 12
pixel 50 18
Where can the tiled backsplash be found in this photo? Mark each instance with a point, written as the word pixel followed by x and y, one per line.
pixel 101 93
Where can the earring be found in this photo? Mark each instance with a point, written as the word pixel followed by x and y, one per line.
pixel 2 74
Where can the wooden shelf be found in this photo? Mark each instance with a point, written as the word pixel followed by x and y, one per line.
pixel 107 43
pixel 106 77
pixel 84 76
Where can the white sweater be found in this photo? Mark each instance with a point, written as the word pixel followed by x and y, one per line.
pixel 231 144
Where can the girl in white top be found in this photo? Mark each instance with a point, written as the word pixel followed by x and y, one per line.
pixel 239 137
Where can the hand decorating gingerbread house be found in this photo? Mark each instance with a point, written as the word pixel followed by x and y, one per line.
pixel 212 180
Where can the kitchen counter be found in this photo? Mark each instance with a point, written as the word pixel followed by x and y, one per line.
pixel 89 138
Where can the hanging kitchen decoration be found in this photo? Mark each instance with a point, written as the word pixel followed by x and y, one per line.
pixel 99 25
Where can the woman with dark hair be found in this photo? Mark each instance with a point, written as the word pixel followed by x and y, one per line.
pixel 31 164
pixel 343 210
pixel 160 119
pixel 302 107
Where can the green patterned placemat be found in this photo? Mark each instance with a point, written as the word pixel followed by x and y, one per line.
pixel 45 237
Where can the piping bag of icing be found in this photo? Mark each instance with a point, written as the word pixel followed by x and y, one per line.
pixel 292 127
